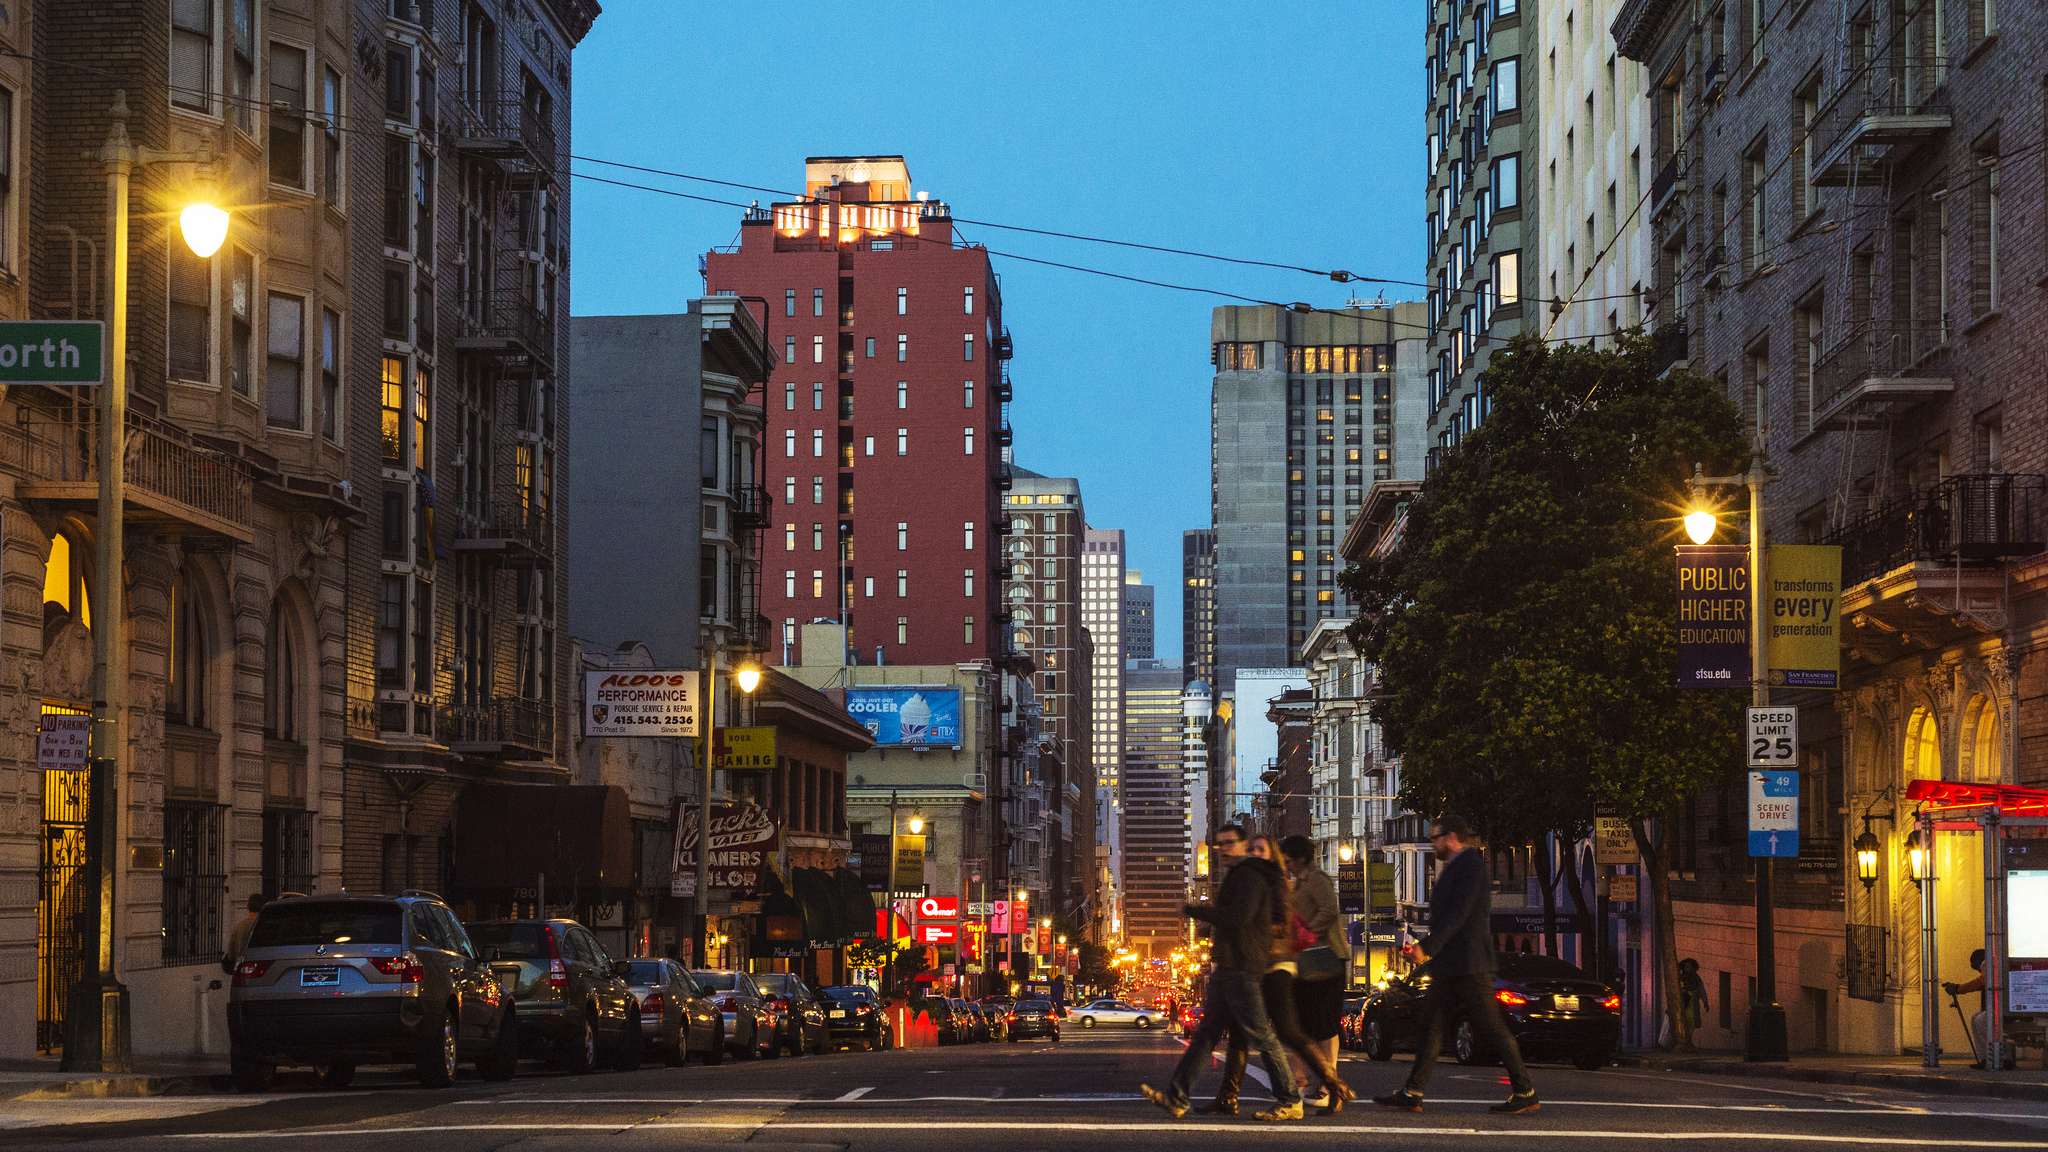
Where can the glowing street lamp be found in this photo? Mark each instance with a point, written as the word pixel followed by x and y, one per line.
pixel 1867 849
pixel 205 227
pixel 1699 524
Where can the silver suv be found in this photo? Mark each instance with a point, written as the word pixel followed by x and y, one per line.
pixel 337 981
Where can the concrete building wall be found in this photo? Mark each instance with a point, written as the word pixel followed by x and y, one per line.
pixel 1156 816
pixel 1255 740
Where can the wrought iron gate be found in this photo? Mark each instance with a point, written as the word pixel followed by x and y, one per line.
pixel 64 909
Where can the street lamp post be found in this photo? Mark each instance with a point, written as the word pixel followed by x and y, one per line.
pixel 97 1035
pixel 746 677
pixel 1765 1040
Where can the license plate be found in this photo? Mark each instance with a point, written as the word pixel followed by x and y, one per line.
pixel 319 977
pixel 1566 1003
pixel 838 1014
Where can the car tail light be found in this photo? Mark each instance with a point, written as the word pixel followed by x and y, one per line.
pixel 1611 1003
pixel 406 968
pixel 249 970
pixel 1512 999
pixel 654 1002
pixel 1011 1020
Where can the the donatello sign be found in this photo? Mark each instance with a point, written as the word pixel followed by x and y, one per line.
pixel 52 352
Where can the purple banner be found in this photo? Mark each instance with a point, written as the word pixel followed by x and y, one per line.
pixel 1713 616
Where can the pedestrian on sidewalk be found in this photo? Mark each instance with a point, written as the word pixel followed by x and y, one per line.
pixel 1459 951
pixel 1980 1021
pixel 1692 995
pixel 1319 982
pixel 1243 917
pixel 238 936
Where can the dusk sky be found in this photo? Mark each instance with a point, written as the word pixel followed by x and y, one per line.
pixel 1293 138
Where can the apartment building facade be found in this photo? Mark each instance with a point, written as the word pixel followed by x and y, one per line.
pixel 1832 222
pixel 1198 605
pixel 1102 614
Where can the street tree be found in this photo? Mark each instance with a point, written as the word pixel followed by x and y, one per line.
pixel 1524 627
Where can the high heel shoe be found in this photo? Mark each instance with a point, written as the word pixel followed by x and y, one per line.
pixel 1340 1095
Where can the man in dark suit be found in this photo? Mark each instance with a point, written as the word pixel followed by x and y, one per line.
pixel 1459 950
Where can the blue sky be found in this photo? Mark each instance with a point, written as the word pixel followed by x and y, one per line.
pixel 1288 132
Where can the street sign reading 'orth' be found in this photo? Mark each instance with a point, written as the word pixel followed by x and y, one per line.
pixel 52 352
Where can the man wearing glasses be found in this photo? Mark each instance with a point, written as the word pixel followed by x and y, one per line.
pixel 1459 950
pixel 1243 916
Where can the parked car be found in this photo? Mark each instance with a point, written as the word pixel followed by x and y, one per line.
pixel 575 1006
pixel 1032 1018
pixel 998 1018
pixel 337 981
pixel 1351 1023
pixel 1114 1012
pixel 854 1015
pixel 803 1018
pixel 751 1027
pixel 675 1018
pixel 949 1021
pixel 1553 1009
pixel 977 1024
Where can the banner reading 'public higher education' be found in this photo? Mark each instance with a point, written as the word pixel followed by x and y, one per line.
pixel 1713 616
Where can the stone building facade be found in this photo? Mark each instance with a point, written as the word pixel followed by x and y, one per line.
pixel 1846 221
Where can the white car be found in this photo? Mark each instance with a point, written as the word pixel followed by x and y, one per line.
pixel 1114 1012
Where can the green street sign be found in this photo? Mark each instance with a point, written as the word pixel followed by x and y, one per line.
pixel 52 352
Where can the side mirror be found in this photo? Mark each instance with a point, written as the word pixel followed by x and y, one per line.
pixel 623 969
pixel 487 954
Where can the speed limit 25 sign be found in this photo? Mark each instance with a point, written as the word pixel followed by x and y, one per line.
pixel 1772 737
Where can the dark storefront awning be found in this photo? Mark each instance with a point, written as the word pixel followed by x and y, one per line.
pixel 508 836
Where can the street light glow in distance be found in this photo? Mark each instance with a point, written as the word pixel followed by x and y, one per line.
pixel 205 227
pixel 747 676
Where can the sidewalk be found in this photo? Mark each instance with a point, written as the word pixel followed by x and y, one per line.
pixel 151 1076
pixel 1955 1077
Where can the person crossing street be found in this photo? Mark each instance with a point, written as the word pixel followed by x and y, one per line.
pixel 1459 950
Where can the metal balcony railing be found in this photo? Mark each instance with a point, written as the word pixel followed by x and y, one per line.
pixel 505 127
pixel 512 324
pixel 1669 181
pixel 170 481
pixel 1975 516
pixel 1877 349
pixel 753 508
pixel 515 528
pixel 503 721
pixel 1894 101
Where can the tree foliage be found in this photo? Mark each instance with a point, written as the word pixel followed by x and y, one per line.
pixel 1524 628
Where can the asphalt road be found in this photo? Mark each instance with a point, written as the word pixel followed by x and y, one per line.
pixel 1031 1096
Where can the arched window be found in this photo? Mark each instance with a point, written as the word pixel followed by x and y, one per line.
pixel 1021 568
pixel 280 679
pixel 185 690
pixel 1922 759
pixel 64 582
pixel 1987 749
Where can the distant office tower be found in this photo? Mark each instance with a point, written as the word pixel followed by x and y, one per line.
pixel 1308 409
pixel 1102 614
pixel 891 373
pixel 1155 817
pixel 1138 612
pixel 1042 551
pixel 1198 605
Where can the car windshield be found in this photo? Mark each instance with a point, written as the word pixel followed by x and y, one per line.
pixel 847 995
pixel 1520 966
pixel 779 982
pixel 1034 1006
pixel 717 981
pixel 513 941
pixel 649 972
pixel 336 922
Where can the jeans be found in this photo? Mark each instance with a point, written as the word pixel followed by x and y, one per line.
pixel 1233 998
pixel 1470 995
pixel 1277 991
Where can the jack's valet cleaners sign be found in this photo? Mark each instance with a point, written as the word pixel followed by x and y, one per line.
pixel 907 715
pixel 1713 616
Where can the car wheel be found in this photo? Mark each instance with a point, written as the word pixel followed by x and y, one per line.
pixel 1376 1046
pixel 249 1073
pixel 1591 1061
pixel 503 1062
pixel 715 1055
pixel 773 1048
pixel 630 1052
pixel 1087 1021
pixel 336 1075
pixel 578 1051
pixel 435 1064
pixel 673 1055
pixel 1144 1022
pixel 823 1046
pixel 796 1038
pixel 1466 1045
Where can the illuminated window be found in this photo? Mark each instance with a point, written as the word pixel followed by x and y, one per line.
pixel 394 409
pixel 817 584
pixel 868 587
pixel 789 583
pixel 817 349
pixel 903 629
pixel 789 537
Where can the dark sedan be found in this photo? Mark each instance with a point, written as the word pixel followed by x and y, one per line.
pixel 1033 1018
pixel 803 1017
pixel 1554 1010
pixel 855 1016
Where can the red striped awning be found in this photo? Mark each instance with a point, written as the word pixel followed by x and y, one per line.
pixel 2010 800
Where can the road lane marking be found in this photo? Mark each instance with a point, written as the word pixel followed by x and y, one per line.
pixel 1160 1127
pixel 856 1094
pixel 859 1096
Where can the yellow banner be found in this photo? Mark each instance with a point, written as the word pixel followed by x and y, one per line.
pixel 746 748
pixel 1802 615
pixel 909 862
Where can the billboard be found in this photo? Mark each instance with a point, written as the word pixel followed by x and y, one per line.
pixel 902 716
pixel 744 839
pixel 640 703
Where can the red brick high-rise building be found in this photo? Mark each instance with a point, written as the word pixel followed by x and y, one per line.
pixel 883 454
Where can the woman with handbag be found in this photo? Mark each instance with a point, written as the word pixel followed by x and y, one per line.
pixel 1290 935
pixel 1319 982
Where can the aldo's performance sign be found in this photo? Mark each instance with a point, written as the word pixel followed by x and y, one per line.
pixel 1713 616
pixel 1803 603
pixel 640 702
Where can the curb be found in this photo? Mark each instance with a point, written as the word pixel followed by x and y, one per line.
pixel 1862 1078
pixel 108 1087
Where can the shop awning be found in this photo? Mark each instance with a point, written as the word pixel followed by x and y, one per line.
pixel 2009 800
pixel 509 836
